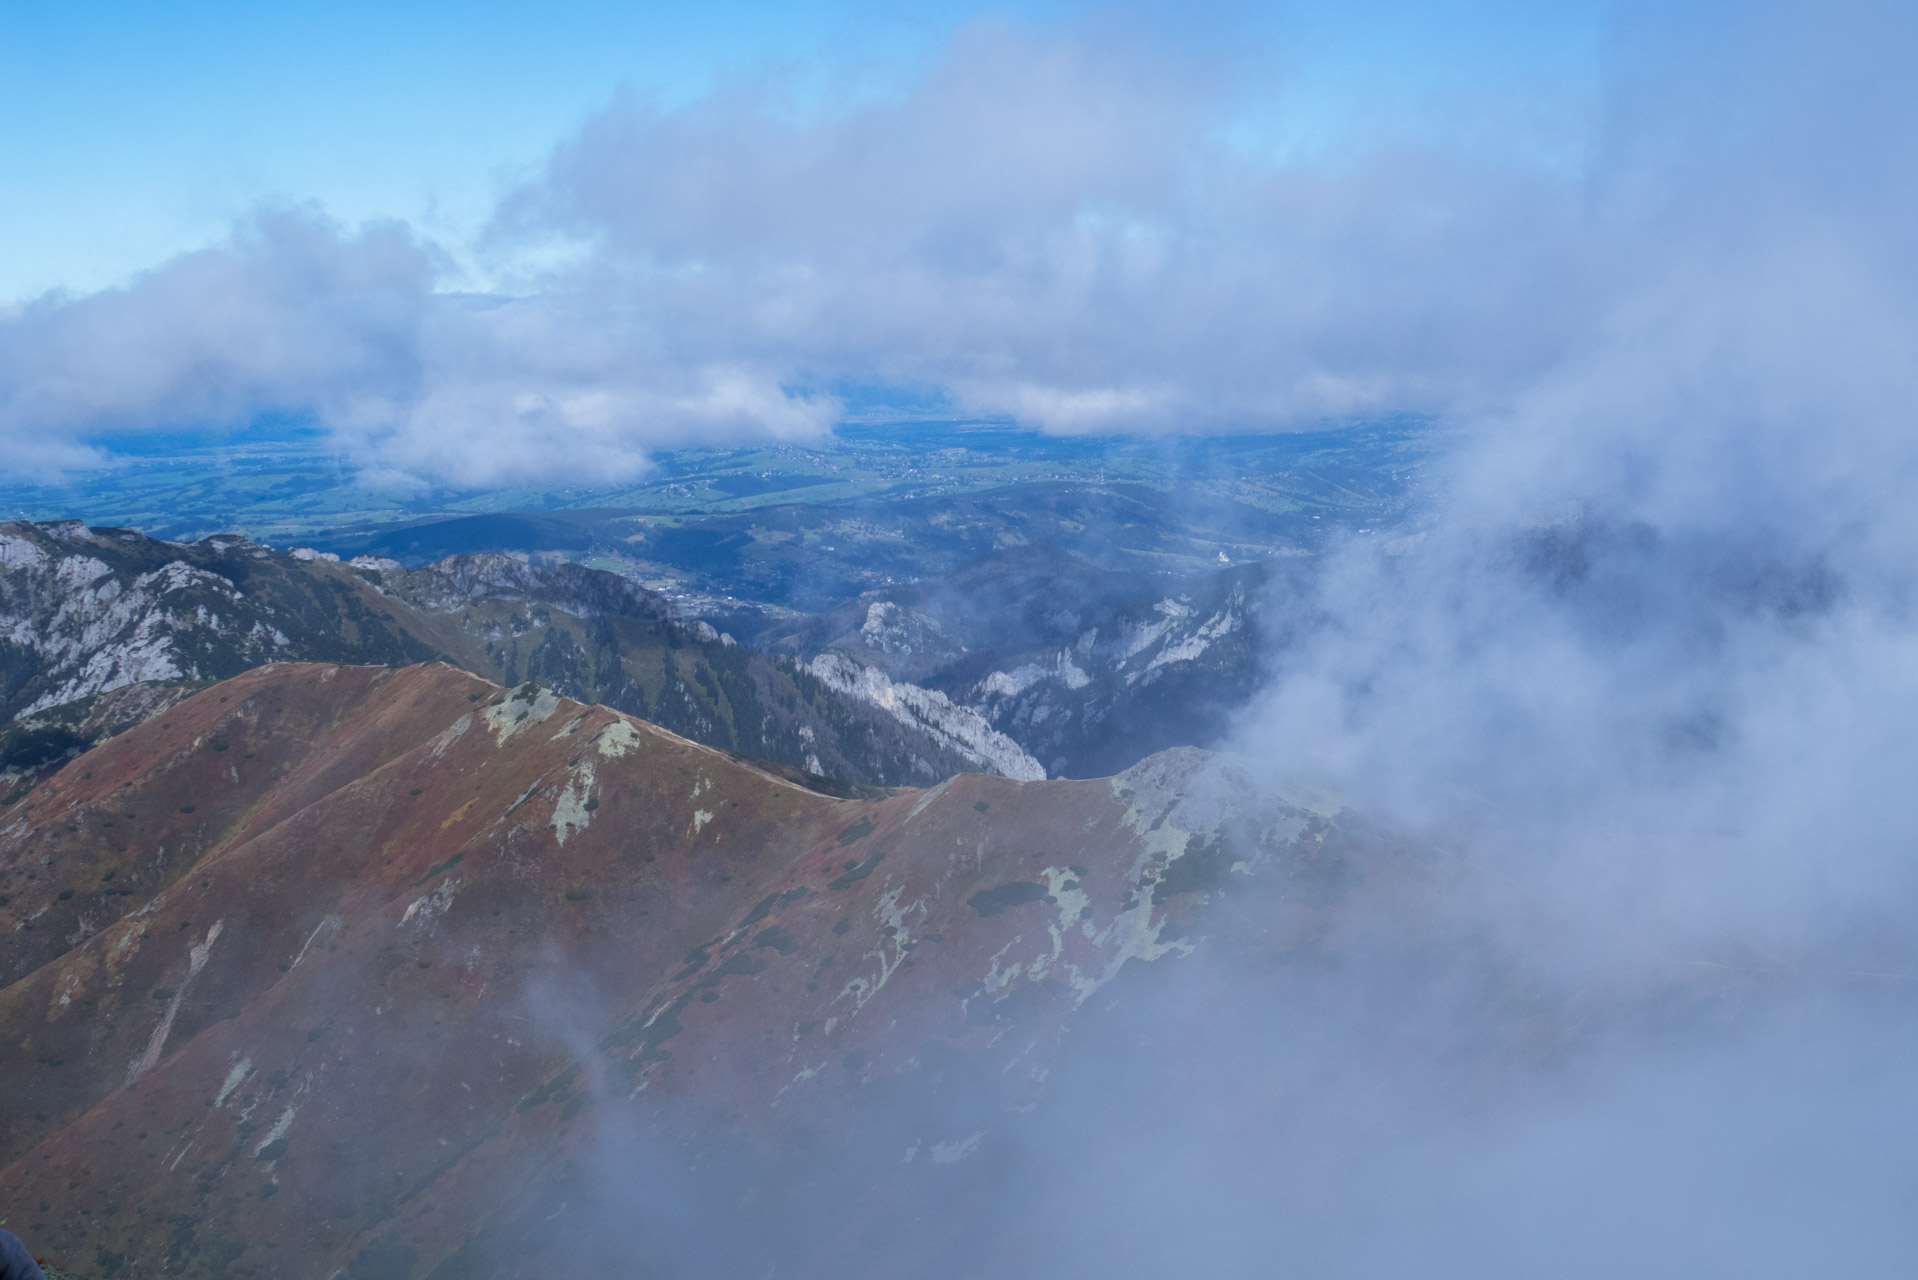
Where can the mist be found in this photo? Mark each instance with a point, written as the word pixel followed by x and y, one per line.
pixel 1642 681
pixel 1632 703
pixel 1616 974
pixel 1626 985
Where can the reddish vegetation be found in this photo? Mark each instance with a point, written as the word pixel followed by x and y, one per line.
pixel 338 963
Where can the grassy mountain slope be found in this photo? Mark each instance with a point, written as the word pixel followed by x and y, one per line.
pixel 383 973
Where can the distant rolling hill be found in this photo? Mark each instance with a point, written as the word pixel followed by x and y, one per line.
pixel 421 542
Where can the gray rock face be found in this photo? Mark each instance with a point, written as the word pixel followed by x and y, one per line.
pixel 85 611
pixel 1153 674
pixel 1086 670
pixel 962 729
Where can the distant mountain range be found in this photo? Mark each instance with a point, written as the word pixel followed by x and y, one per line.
pixel 1088 668
pixel 84 611
pixel 1027 662
pixel 909 599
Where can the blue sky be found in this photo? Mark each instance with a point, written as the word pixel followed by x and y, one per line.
pixel 487 246
pixel 135 131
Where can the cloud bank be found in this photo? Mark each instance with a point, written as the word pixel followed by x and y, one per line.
pixel 1638 703
pixel 1063 224
pixel 1645 690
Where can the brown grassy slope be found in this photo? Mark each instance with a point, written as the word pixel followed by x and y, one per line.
pixel 422 944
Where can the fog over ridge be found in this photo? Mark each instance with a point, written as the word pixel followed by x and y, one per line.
pixel 1648 677
pixel 1633 697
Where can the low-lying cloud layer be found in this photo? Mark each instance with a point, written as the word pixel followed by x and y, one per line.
pixel 1645 687
pixel 1676 569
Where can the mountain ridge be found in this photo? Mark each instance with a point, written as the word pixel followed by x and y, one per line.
pixel 86 610
pixel 361 895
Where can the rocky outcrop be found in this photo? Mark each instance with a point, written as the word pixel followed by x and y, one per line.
pixel 1085 670
pixel 85 611
pixel 963 729
pixel 35 745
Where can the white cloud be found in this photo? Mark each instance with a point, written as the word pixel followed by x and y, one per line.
pixel 1050 223
pixel 1063 224
pixel 1655 653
